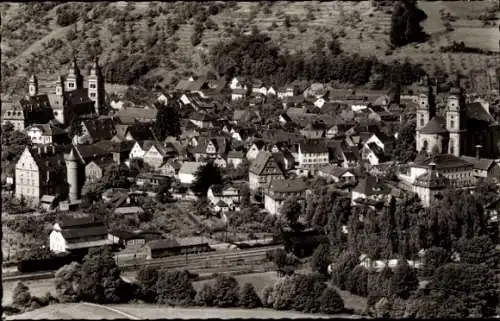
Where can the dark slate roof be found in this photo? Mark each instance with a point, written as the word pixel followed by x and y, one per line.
pixel 435 126
pixel 479 163
pixel 376 150
pixel 130 115
pixel 476 111
pixel 74 233
pixel 39 101
pixel 52 162
pixel 442 161
pixel 163 244
pixel 77 97
pixel 335 170
pixel 91 151
pixel 288 185
pixel 68 221
pixel 49 129
pixel 219 143
pixel 100 128
pixel 371 186
pixel 313 147
pixel 235 154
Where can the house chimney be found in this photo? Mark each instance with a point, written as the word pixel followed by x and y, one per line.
pixel 432 166
pixel 478 147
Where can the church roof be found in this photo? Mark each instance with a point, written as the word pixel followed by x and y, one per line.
pixel 435 126
pixel 479 163
pixel 441 161
pixel 476 111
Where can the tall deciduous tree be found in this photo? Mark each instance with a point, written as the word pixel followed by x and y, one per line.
pixel 321 258
pixel 167 120
pixel 147 277
pixel 291 209
pixel 21 296
pixel 100 279
pixel 175 288
pixel 331 302
pixel 476 285
pixel 479 249
pixel 226 291
pixel 66 281
pixel 248 297
pixel 404 280
pixel 405 24
pixel 206 176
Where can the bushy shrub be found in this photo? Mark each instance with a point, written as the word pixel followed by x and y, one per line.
pixel 66 15
pixel 357 282
pixel 205 297
pixel 331 302
pixel 248 297
pixel 175 288
pixel 267 293
pixel 21 296
pixel 226 291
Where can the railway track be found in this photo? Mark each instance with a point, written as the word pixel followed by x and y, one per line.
pixel 194 262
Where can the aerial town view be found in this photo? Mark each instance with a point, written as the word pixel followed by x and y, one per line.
pixel 265 159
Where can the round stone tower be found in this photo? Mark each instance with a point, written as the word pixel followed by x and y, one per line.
pixel 72 174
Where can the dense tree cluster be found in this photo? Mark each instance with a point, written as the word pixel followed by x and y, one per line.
pixel 306 293
pixel 258 57
pixel 66 15
pixel 13 143
pixel 127 69
pixel 405 24
pixel 205 177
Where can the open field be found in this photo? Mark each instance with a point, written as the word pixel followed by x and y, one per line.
pixel 148 311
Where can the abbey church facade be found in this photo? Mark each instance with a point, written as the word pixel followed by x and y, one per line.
pixel 458 127
pixel 71 97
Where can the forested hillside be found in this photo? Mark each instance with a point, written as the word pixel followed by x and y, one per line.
pixel 156 43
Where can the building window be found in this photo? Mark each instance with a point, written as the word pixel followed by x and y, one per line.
pixel 452 146
pixel 92 86
pixel 422 122
pixel 92 95
pixel 71 85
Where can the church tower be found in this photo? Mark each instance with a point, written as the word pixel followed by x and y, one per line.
pixel 74 80
pixel 96 86
pixel 33 86
pixel 454 119
pixel 426 106
pixel 72 174
pixel 59 86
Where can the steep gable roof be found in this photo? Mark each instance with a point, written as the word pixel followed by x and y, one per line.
pixel 442 161
pixel 288 186
pixel 99 129
pixel 258 165
pixel 479 163
pixel 313 147
pixel 371 186
pixel 476 111
pixel 435 126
